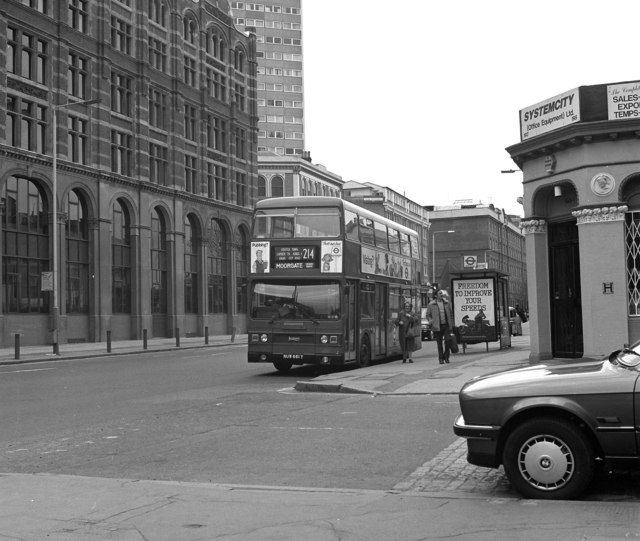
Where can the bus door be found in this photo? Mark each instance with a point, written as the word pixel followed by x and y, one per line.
pixel 380 347
pixel 351 326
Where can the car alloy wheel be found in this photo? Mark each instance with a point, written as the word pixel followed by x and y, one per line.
pixel 548 458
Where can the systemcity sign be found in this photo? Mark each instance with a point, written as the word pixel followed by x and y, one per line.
pixel 551 114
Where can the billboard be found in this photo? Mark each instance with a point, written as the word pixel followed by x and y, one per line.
pixel 474 309
pixel 550 114
pixel 623 100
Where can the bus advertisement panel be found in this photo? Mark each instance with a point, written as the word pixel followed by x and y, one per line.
pixel 310 302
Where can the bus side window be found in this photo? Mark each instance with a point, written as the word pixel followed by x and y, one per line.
pixel 351 225
pixel 366 230
pixel 405 248
pixel 380 231
pixel 394 240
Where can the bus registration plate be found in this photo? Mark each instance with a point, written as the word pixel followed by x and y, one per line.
pixel 295 356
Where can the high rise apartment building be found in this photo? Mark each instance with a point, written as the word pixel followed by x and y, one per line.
pixel 278 29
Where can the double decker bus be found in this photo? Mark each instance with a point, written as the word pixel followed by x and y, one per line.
pixel 327 281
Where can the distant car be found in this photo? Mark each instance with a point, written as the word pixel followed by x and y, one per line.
pixel 427 332
pixel 515 322
pixel 551 426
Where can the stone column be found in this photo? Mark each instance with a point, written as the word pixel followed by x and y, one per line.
pixel 537 247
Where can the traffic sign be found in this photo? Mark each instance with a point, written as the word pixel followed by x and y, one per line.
pixel 470 261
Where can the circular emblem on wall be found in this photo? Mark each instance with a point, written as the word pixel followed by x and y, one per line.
pixel 602 184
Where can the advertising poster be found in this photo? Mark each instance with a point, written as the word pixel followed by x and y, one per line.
pixel 385 264
pixel 474 309
pixel 331 256
pixel 259 257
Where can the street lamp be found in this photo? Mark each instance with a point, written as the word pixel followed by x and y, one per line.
pixel 54 139
pixel 433 251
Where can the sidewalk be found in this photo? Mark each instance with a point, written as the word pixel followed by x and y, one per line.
pixel 425 375
pixel 121 347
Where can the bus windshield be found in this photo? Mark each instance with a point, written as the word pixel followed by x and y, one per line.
pixel 297 223
pixel 315 300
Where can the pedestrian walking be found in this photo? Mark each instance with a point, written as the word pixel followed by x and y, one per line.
pixel 409 327
pixel 441 318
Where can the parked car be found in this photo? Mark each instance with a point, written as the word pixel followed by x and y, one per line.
pixel 427 332
pixel 515 322
pixel 552 426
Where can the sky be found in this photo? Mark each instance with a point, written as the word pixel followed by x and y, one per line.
pixel 423 96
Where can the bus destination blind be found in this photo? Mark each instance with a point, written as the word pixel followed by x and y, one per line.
pixel 295 257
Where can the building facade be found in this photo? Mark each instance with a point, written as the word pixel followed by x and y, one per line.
pixel 280 176
pixel 140 220
pixel 580 158
pixel 278 29
pixel 476 236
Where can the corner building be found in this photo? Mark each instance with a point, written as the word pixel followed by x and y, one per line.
pixel 154 183
pixel 580 157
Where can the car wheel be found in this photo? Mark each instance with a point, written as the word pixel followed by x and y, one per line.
pixel 548 459
pixel 364 357
pixel 282 366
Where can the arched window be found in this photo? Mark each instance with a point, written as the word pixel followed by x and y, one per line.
pixel 158 263
pixel 121 260
pixel 262 187
pixel 277 187
pixel 157 12
pixel 238 58
pixel 217 268
pixel 190 266
pixel 189 30
pixel 25 247
pixel 222 50
pixel 77 236
pixel 242 271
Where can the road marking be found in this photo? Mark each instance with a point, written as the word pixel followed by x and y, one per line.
pixel 26 370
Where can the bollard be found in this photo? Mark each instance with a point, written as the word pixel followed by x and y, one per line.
pixel 17 347
pixel 233 334
pixel 108 341
pixel 144 338
pixel 177 337
pixel 206 335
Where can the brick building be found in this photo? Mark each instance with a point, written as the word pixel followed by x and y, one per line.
pixel 154 183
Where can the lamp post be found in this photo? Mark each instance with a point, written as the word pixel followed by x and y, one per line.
pixel 433 251
pixel 54 140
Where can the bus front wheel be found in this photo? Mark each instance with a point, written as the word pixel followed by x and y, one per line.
pixel 364 358
pixel 282 366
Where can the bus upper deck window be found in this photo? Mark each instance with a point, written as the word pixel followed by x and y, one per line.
pixel 260 226
pixel 366 230
pixel 351 225
pixel 282 227
pixel 405 247
pixel 317 222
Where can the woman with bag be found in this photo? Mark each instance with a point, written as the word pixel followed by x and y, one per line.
pixel 409 325
pixel 441 318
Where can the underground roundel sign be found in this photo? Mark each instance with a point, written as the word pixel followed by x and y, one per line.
pixel 470 261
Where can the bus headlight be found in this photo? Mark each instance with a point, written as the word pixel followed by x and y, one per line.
pixel 264 338
pixel 324 339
